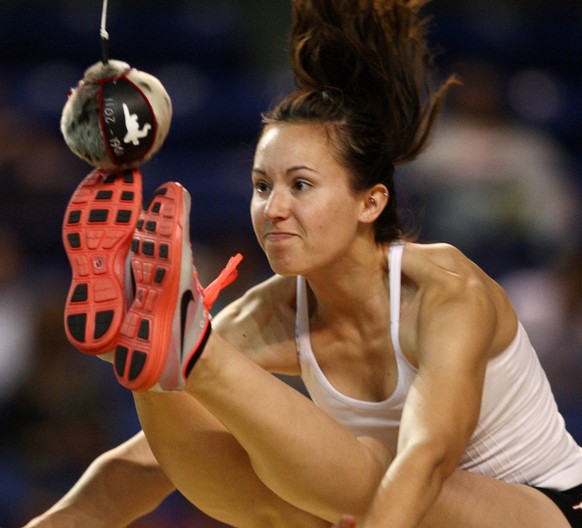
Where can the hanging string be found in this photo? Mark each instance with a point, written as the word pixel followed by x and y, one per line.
pixel 104 35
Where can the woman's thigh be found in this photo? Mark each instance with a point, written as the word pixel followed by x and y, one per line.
pixel 469 500
pixel 474 501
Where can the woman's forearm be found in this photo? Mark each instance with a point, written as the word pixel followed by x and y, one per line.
pixel 119 486
pixel 409 489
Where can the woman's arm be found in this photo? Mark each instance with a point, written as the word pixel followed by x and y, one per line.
pixel 119 486
pixel 453 340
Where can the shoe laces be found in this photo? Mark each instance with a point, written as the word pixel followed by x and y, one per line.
pixel 225 277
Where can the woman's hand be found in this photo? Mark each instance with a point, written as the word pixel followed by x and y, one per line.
pixel 347 521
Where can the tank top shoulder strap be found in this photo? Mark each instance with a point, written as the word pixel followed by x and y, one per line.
pixel 301 310
pixel 395 273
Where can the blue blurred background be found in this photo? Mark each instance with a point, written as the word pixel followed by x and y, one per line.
pixel 501 180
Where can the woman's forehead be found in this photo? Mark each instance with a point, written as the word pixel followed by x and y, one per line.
pixel 280 142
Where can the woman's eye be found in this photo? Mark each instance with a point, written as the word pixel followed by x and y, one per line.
pixel 301 185
pixel 261 187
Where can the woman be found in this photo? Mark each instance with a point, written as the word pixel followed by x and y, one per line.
pixel 431 407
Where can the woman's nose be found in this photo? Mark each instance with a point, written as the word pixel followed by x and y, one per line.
pixel 277 205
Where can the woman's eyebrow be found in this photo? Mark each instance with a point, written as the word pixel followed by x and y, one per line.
pixel 294 168
pixel 301 167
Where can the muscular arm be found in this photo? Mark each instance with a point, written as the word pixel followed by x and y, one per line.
pixel 120 486
pixel 456 325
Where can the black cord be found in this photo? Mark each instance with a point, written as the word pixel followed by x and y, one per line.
pixel 104 35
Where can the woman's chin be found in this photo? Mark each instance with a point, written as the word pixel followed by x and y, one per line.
pixel 283 267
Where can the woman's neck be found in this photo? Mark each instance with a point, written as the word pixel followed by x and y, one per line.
pixel 351 290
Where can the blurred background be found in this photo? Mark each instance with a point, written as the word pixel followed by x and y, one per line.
pixel 501 180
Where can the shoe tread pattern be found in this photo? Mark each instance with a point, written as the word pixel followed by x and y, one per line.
pixel 98 227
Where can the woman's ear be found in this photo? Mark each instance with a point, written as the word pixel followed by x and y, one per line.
pixel 374 202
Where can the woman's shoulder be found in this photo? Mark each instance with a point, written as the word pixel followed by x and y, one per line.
pixel 440 264
pixel 273 293
pixel 260 323
pixel 445 278
pixel 442 275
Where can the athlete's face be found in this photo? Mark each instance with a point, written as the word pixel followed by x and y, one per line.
pixel 304 215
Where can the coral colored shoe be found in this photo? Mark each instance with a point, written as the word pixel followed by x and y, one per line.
pixel 98 227
pixel 168 323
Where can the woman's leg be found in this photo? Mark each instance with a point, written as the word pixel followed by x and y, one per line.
pixel 474 501
pixel 209 467
pixel 297 450
pixel 466 503
pixel 313 462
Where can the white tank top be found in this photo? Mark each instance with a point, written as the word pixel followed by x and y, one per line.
pixel 520 436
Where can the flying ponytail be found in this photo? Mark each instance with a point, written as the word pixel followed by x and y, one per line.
pixel 363 68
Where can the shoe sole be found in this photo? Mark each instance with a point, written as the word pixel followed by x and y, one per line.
pixel 146 333
pixel 98 227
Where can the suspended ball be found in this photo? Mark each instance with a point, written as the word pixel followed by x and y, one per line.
pixel 117 117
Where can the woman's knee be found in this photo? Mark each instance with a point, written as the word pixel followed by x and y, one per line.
pixel 382 453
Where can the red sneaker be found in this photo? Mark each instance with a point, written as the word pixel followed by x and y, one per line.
pixel 168 323
pixel 98 227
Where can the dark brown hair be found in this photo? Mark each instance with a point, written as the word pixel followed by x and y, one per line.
pixel 363 69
